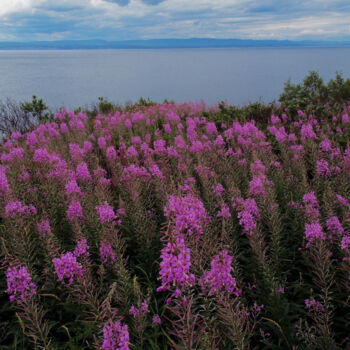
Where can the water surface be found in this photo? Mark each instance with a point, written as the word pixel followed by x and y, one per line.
pixel 240 75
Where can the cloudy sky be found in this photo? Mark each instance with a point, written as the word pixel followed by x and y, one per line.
pixel 28 20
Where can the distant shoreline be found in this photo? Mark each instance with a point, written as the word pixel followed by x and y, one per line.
pixel 153 44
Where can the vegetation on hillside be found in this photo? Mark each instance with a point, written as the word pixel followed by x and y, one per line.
pixel 176 226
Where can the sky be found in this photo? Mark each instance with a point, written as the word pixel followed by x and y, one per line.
pixel 47 20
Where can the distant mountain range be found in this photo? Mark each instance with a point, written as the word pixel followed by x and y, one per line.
pixel 162 44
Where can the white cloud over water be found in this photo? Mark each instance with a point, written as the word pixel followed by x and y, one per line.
pixel 137 19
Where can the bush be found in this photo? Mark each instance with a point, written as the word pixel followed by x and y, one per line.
pixel 314 91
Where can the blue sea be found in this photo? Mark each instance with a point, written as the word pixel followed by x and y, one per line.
pixel 240 75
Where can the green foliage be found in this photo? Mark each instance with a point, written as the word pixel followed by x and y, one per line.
pixel 105 106
pixel 314 91
pixel 36 109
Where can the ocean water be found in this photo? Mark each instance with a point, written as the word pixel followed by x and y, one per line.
pixel 241 75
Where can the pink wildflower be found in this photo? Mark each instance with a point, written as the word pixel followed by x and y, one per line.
pixel 19 285
pixel 219 278
pixel 115 336
pixel 67 268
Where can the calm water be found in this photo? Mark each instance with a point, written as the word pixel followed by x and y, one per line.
pixel 78 78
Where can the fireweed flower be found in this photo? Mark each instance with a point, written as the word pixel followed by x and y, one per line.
pixel 111 153
pixel 334 227
pixel 44 227
pixel 115 336
pixel 72 187
pixel 248 214
pixel 15 208
pixel 188 213
pixel 257 184
pixel 67 268
pixel 307 132
pixel 76 153
pixel 342 201
pixel 218 190
pixel 82 172
pixel 175 265
pixel 82 248
pixel 257 167
pixel 322 168
pixel 156 320
pixel 313 305
pixel 74 212
pixel 311 206
pixel 19 285
pixel 106 213
pixel 219 278
pixel 313 231
pixel 224 212
pixel 141 309
pixel 345 242
pixel 106 253
pixel 4 186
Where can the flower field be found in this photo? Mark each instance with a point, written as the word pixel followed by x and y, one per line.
pixel 177 226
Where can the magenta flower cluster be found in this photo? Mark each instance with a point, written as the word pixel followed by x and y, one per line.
pixel 82 248
pixel 15 208
pixel 248 214
pixel 175 265
pixel 44 227
pixel 219 278
pixel 115 336
pixel 67 268
pixel 106 253
pixel 141 309
pixel 19 284
pixel 4 186
pixel 188 213
pixel 75 211
pixel 106 213
pixel 313 231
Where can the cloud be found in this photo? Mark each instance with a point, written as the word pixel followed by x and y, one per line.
pixel 137 19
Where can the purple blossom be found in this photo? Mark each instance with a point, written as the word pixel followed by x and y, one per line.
pixel 111 153
pixel 311 206
pixel 334 227
pixel 345 242
pixel 106 253
pixel 307 132
pixel 141 309
pixel 74 212
pixel 72 187
pixel 15 208
pixel 82 248
pixel 67 268
pixel 341 200
pixel 188 213
pixel 218 190
pixel 175 265
pixel 313 305
pixel 19 285
pixel 115 336
pixel 219 278
pixel 4 186
pixel 101 141
pixel 322 168
pixel 82 172
pixel 76 153
pixel 248 214
pixel 156 320
pixel 313 231
pixel 44 227
pixel 224 212
pixel 106 213
pixel 257 167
